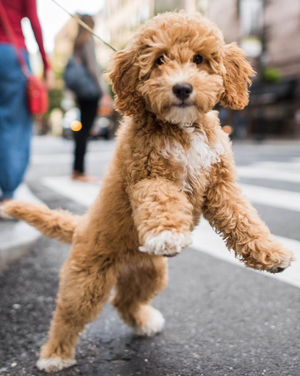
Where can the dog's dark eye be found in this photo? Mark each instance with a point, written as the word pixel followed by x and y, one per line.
pixel 160 60
pixel 198 59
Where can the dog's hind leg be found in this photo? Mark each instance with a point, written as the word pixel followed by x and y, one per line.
pixel 139 281
pixel 83 290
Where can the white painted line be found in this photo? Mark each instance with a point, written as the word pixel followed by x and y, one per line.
pixel 272 197
pixel 20 233
pixel 23 193
pixel 83 193
pixel 68 158
pixel 206 240
pixel 270 174
pixel 204 237
pixel 286 166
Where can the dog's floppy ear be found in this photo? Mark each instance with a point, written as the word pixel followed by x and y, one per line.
pixel 124 76
pixel 237 76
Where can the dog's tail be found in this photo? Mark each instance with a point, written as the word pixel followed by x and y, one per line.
pixel 58 224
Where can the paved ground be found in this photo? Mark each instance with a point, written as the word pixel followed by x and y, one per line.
pixel 221 319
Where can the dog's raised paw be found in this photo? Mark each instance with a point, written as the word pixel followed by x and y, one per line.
pixel 54 364
pixel 167 243
pixel 285 261
pixel 154 325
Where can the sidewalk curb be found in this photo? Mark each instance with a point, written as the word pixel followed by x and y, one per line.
pixel 17 237
pixel 10 255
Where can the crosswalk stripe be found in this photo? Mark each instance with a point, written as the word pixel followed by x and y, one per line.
pixel 85 194
pixel 80 192
pixel 291 165
pixel 20 233
pixel 272 197
pixel 205 239
pixel 264 173
pixel 68 158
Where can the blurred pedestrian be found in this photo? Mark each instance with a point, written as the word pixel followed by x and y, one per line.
pixel 15 118
pixel 84 52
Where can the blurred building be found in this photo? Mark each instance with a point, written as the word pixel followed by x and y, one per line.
pixel 119 19
pixel 116 24
pixel 269 31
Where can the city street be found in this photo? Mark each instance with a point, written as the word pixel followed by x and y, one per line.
pixel 221 318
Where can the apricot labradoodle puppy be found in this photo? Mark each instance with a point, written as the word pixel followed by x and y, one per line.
pixel 172 163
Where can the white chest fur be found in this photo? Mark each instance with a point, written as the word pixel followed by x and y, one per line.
pixel 197 158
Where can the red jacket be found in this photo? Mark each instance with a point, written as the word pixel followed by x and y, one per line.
pixel 16 10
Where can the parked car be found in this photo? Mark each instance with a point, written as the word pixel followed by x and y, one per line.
pixel 103 126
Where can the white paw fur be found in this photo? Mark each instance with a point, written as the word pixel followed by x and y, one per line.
pixel 54 364
pixel 167 243
pixel 154 325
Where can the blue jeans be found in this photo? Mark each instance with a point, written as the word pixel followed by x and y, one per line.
pixel 15 122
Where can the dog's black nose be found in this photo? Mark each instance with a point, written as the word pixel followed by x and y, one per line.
pixel 182 91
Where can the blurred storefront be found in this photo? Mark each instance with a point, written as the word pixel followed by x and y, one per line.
pixel 116 24
pixel 119 19
pixel 269 31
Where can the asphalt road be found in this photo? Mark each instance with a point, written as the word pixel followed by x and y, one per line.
pixel 221 319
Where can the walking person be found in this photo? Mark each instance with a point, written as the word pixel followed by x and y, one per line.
pixel 15 118
pixel 84 52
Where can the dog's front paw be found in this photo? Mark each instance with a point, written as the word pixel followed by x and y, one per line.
pixel 269 256
pixel 281 259
pixel 167 243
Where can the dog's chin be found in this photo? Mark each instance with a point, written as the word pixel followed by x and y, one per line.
pixel 187 114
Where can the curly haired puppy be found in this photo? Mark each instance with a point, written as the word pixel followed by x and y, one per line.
pixel 172 163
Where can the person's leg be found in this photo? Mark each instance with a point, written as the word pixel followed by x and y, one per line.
pixel 15 123
pixel 88 111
